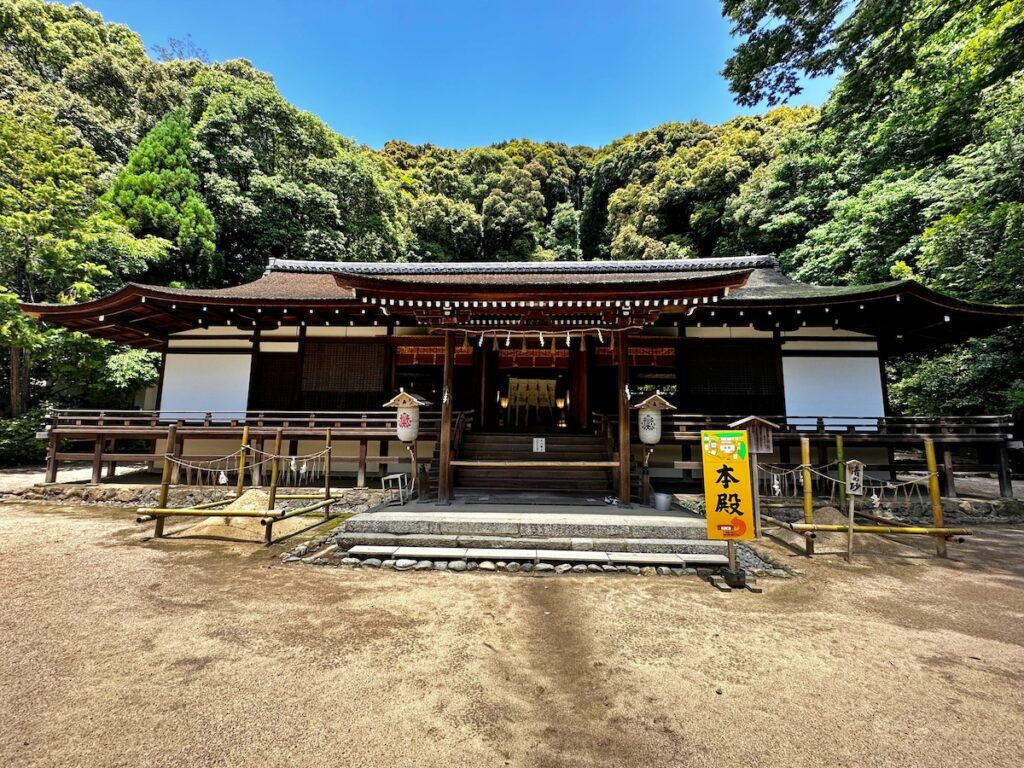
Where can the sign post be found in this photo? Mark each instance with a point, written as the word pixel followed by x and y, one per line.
pixel 854 488
pixel 728 493
pixel 761 440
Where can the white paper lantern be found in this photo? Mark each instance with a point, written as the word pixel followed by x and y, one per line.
pixel 649 421
pixel 408 423
pixel 648 417
pixel 407 416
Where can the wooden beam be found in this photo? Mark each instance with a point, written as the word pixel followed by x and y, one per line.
pixel 445 456
pixel 624 444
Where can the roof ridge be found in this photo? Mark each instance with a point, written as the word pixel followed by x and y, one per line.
pixel 521 267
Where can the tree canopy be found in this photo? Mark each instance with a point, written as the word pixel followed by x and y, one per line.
pixel 116 166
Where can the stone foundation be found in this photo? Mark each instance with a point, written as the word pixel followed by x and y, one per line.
pixel 358 499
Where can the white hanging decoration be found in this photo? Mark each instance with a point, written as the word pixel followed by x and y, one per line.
pixel 508 338
pixel 292 465
pixel 222 478
pixel 600 336
pixel 776 486
pixel 567 339
pixel 303 469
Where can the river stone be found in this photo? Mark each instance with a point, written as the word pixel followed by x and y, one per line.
pixel 543 568
pixel 609 568
pixel 563 567
pixel 594 568
pixel 487 565
pixel 580 568
pixel 635 570
pixel 440 565
pixel 677 571
pixel 457 565
pixel 371 562
pixel 526 567
pixel 664 571
pixel 471 566
pixel 648 570
pixel 388 564
pixel 502 565
pixel 513 567
pixel 423 565
pixel 404 564
pixel 350 561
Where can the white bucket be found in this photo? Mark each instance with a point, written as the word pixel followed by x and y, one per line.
pixel 663 502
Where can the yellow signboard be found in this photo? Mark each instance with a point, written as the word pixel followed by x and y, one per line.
pixel 728 492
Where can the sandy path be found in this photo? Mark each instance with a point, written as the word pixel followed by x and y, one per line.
pixel 121 652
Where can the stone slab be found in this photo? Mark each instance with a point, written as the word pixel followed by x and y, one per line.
pixel 372 550
pixel 645 558
pixel 501 554
pixel 451 553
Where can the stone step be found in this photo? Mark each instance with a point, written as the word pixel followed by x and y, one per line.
pixel 581 525
pixel 346 540
pixel 539 555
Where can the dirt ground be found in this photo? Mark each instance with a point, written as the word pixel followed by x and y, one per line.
pixel 117 651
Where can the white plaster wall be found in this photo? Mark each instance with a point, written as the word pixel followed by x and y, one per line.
pixel 205 382
pixel 837 386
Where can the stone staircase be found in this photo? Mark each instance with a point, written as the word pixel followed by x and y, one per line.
pixel 511 528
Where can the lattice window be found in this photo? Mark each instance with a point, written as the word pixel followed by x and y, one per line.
pixel 344 368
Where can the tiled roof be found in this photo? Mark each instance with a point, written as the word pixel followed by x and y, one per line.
pixel 401 269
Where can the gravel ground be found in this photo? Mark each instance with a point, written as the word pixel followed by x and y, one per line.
pixel 119 651
pixel 19 478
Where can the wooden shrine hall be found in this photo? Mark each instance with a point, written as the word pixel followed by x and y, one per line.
pixel 531 368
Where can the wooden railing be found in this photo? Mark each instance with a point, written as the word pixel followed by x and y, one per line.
pixel 681 427
pixel 337 421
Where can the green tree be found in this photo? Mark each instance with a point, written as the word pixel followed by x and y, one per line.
pixel 157 195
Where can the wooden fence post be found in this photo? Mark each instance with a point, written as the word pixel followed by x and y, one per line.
pixel 805 460
pixel 933 493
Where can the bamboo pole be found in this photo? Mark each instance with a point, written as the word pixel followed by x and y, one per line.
pixel 841 470
pixel 805 460
pixel 933 493
pixel 165 478
pixel 241 461
pixel 278 437
pixel 888 529
pixel 327 469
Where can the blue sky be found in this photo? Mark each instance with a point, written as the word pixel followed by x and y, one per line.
pixel 459 74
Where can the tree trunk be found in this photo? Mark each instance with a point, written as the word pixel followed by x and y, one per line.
pixel 19 390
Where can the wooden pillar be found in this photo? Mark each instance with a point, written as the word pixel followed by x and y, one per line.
pixel 51 459
pixel 948 480
pixel 805 461
pixel 578 416
pixel 444 491
pixel 624 440
pixel 97 456
pixel 1005 480
pixel 361 472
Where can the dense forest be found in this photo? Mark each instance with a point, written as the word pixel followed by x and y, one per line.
pixel 117 164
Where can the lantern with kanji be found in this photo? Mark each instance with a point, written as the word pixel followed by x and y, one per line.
pixel 407 421
pixel 649 417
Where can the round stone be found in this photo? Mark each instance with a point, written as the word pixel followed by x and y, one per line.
pixel 594 568
pixel 512 567
pixel 526 567
pixel 543 568
pixel 457 565
pixel 580 568
pixel 635 570
pixel 664 571
pixel 440 565
pixel 371 562
pixel 563 568
pixel 487 565
pixel 648 570
pixel 350 561
pixel 404 564
pixel 423 565
pixel 471 566
pixel 388 564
